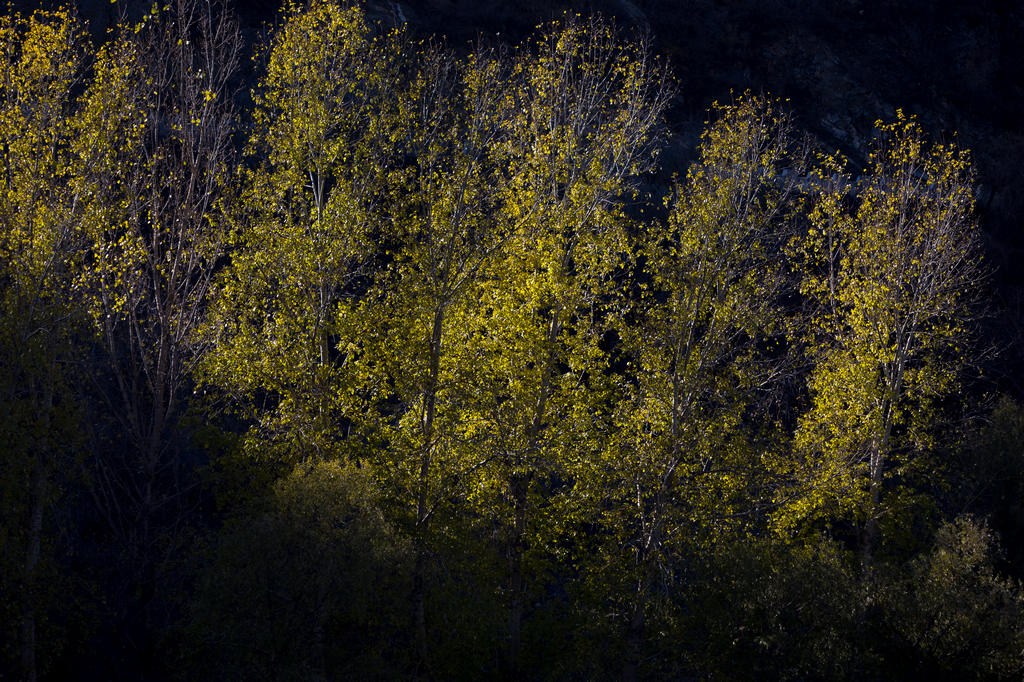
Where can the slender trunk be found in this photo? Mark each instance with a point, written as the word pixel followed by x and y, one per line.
pixel 320 390
pixel 37 505
pixel 419 610
pixel 651 535
pixel 870 538
pixel 637 627
pixel 518 485
pixel 422 507
pixel 515 576
pixel 876 465
pixel 145 550
pixel 634 638
pixel 318 665
pixel 144 554
pixel 28 623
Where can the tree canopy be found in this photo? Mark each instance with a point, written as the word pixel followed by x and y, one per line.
pixel 383 357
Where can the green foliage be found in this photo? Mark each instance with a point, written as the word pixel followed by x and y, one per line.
pixel 765 610
pixel 586 107
pixel 682 465
pixel 986 472
pixel 961 619
pixel 770 610
pixel 446 237
pixel 309 583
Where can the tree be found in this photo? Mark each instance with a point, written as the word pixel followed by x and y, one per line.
pixel 361 224
pixel 989 473
pixel 954 612
pixel 447 232
pixel 588 104
pixel 155 149
pixel 309 583
pixel 42 60
pixel 285 328
pixel 892 269
pixel 701 347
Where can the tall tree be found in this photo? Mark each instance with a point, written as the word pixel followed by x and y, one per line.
pixel 447 231
pixel 42 60
pixel 893 268
pixel 701 348
pixel 155 151
pixel 588 103
pixel 305 233
pixel 294 317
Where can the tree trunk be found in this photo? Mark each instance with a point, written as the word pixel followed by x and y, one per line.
pixel 419 612
pixel 515 577
pixel 422 511
pixel 634 639
pixel 518 485
pixel 876 464
pixel 870 538
pixel 37 505
pixel 28 623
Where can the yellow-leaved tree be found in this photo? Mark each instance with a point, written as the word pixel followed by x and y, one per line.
pixel 154 152
pixel 304 235
pixel 446 232
pixel 42 64
pixel 703 348
pixel 587 105
pixel 892 269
